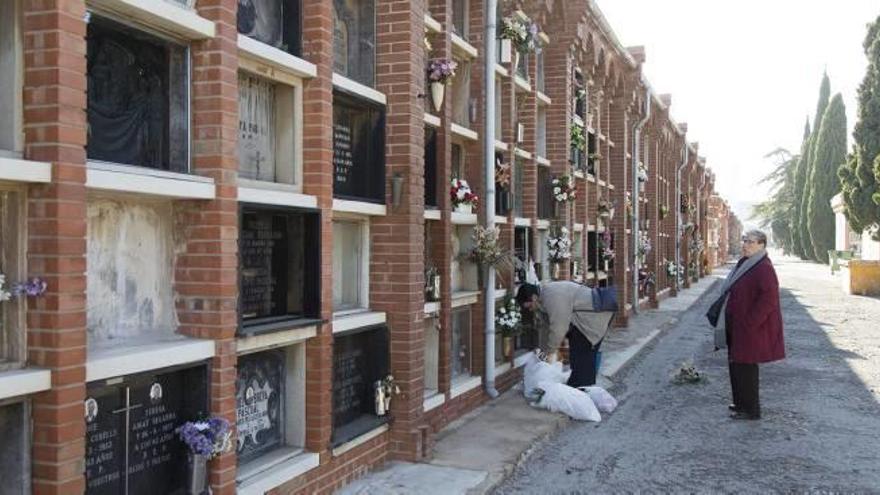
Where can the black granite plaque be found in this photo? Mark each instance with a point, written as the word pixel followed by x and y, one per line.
pixel 279 253
pixel 358 149
pixel 131 443
pixel 359 359
pixel 259 400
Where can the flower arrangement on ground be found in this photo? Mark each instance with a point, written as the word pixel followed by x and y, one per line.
pixel 209 438
pixel 578 140
pixel 559 245
pixel 441 70
pixel 508 318
pixel 687 373
pixel 563 189
pixel 461 193
pixel 642 174
pixel 487 251
pixel 606 208
pixel 522 33
pixel 29 288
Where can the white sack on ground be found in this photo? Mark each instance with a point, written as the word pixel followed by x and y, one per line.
pixel 570 401
pixel 604 401
pixel 537 371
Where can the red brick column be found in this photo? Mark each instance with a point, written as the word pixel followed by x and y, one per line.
pixel 206 275
pixel 55 131
pixel 441 232
pixel 619 161
pixel 397 264
pixel 318 181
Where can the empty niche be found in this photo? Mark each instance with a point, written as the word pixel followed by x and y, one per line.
pixel 130 271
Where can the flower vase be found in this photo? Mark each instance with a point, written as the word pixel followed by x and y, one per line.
pixel 438 90
pixel 506 49
pixel 557 269
pixel 197 474
pixel 516 56
pixel 507 347
pixel 433 288
pixel 467 208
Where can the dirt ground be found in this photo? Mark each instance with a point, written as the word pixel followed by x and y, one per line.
pixel 820 430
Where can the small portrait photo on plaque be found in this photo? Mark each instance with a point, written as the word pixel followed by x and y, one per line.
pixel 156 393
pixel 91 409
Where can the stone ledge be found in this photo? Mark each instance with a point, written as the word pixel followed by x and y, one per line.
pixel 127 359
pixel 16 383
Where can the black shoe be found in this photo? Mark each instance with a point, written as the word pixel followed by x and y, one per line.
pixel 744 415
pixel 734 408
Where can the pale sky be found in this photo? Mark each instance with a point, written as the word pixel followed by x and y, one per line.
pixel 744 75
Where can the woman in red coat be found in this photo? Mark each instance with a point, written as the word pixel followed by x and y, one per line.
pixel 752 323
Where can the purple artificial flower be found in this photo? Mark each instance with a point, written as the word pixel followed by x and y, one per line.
pixel 33 287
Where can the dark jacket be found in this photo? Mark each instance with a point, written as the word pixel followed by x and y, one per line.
pixel 753 317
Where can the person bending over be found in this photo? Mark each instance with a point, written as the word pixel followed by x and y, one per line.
pixel 563 309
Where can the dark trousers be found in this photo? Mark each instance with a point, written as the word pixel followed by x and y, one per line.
pixel 582 356
pixel 744 385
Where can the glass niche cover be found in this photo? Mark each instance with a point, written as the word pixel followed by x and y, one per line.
pixel 358 149
pixel 276 23
pixel 279 261
pixel 138 97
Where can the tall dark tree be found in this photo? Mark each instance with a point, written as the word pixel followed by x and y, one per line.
pixel 803 223
pixel 797 185
pixel 860 177
pixel 829 154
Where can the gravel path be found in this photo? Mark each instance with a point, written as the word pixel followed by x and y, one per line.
pixel 820 430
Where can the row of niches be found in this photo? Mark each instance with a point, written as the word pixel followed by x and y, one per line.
pixel 135 250
pixel 138 114
pixel 131 420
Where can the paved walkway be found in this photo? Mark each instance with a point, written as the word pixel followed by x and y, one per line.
pixel 477 452
pixel 820 410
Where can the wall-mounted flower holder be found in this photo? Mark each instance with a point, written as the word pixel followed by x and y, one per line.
pixel 438 91
pixel 505 56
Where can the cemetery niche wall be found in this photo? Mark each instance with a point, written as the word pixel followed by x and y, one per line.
pixel 277 23
pixel 131 443
pixel 358 149
pixel 279 259
pixel 138 97
pixel 360 359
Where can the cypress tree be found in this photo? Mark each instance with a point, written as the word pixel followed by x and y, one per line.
pixel 797 185
pixel 858 180
pixel 803 221
pixel 828 155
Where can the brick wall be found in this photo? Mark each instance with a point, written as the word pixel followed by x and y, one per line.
pixel 55 132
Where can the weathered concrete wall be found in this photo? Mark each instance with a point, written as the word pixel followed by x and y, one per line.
pixel 130 269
